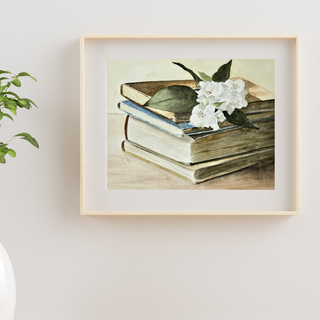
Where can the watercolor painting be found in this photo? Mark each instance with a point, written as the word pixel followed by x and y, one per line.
pixel 190 124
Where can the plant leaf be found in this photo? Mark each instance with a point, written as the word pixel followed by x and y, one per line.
pixel 12 94
pixel 177 99
pixel 12 109
pixel 218 104
pixel 11 153
pixel 3 87
pixel 8 116
pixel 30 101
pixel 2 159
pixel 2 71
pixel 25 74
pixel 29 138
pixel 223 73
pixel 11 105
pixel 237 117
pixel 23 103
pixel 3 151
pixel 1 115
pixel 16 82
pixel 204 77
pixel 195 77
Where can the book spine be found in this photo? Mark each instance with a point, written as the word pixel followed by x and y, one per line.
pixel 151 118
pixel 126 127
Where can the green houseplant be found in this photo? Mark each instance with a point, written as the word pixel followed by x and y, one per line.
pixel 10 102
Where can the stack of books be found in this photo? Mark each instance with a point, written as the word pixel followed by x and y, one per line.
pixel 168 141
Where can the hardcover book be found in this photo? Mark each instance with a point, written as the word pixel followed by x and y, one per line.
pixel 202 171
pixel 141 92
pixel 204 146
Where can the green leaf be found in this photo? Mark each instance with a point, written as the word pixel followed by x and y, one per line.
pixel 29 138
pixel 3 151
pixel 177 99
pixel 1 115
pixel 11 105
pixel 3 98
pixel 2 159
pixel 218 104
pixel 205 77
pixel 23 103
pixel 11 153
pixel 10 102
pixel 194 75
pixel 12 109
pixel 16 82
pixel 3 87
pixel 8 116
pixel 1 71
pixel 30 101
pixel 12 94
pixel 237 117
pixel 25 74
pixel 223 73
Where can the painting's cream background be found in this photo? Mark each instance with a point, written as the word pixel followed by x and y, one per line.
pixel 119 71
pixel 71 267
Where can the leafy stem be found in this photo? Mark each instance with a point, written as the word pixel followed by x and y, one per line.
pixel 11 101
pixel 221 75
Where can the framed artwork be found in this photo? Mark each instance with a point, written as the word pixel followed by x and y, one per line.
pixel 190 125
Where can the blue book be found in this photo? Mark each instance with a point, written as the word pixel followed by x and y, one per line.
pixel 255 111
pixel 175 128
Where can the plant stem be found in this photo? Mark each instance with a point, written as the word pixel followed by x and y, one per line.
pixel 10 140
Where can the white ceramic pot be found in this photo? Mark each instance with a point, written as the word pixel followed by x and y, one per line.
pixel 7 286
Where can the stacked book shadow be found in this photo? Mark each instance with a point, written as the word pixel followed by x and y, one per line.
pixel 196 154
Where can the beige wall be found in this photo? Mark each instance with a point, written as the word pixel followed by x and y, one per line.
pixel 72 267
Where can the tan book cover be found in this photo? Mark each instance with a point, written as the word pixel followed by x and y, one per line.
pixel 141 92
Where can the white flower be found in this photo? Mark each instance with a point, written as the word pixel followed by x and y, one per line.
pixel 237 85
pixel 220 116
pixel 232 100
pixel 206 116
pixel 209 92
pixel 234 96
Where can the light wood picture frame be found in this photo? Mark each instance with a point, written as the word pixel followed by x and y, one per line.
pixel 97 199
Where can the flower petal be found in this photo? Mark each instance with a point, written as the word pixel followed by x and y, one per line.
pixel 244 102
pixel 220 116
pixel 238 85
pixel 197 116
pixel 230 108
pixel 227 85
